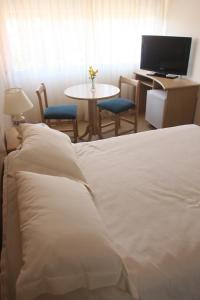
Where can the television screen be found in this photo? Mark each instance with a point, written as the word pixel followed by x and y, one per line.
pixel 165 54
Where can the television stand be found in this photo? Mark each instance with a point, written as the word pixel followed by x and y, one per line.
pixel 156 74
pixel 180 101
pixel 171 76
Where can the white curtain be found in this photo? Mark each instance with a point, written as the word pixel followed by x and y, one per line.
pixel 55 41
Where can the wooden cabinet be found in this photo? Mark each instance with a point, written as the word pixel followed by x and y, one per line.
pixel 181 97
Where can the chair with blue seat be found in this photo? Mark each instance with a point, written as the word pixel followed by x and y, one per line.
pixel 57 114
pixel 121 105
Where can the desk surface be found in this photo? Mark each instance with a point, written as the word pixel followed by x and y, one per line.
pixel 84 91
pixel 167 83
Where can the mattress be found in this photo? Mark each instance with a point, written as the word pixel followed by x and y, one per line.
pixel 146 189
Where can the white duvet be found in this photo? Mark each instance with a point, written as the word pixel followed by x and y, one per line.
pixel 147 190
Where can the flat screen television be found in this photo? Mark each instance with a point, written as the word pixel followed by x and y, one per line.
pixel 165 54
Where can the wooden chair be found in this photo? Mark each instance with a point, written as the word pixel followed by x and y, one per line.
pixel 120 105
pixel 57 114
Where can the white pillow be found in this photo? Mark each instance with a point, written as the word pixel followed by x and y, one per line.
pixel 47 151
pixel 64 243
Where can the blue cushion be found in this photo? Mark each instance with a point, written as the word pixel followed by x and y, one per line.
pixel 117 105
pixel 61 112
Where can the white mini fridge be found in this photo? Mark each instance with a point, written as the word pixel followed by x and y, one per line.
pixel 155 104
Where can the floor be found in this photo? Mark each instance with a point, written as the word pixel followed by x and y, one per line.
pixel 142 126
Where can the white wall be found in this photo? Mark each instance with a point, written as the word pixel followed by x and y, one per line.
pixel 183 20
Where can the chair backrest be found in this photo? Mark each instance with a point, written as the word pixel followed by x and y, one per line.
pixel 42 97
pixel 136 88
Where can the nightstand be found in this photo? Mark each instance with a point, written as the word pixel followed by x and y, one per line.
pixel 12 139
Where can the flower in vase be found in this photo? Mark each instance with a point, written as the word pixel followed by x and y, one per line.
pixel 92 73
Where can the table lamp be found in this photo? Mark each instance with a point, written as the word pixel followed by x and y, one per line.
pixel 16 103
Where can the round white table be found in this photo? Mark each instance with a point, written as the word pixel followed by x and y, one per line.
pixel 85 92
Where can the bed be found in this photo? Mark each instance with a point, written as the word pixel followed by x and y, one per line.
pixel 137 197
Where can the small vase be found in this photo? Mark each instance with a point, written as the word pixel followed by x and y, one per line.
pixel 93 85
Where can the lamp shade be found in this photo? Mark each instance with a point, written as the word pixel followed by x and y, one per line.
pixel 16 102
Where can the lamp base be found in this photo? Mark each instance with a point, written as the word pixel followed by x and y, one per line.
pixel 18 119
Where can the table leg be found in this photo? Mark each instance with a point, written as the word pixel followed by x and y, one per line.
pixel 92 128
pixel 85 133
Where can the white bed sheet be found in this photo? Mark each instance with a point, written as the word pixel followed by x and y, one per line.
pixel 147 190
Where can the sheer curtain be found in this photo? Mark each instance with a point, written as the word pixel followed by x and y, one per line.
pixel 55 41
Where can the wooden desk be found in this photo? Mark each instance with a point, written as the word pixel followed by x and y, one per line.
pixel 181 98
pixel 84 92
